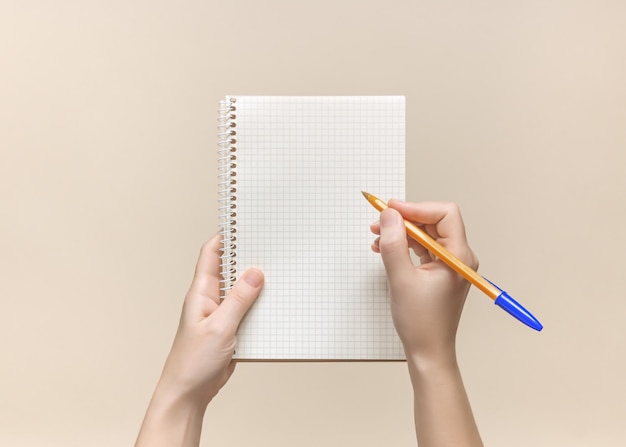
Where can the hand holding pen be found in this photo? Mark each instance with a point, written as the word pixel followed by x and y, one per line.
pixel 426 305
pixel 426 300
pixel 437 247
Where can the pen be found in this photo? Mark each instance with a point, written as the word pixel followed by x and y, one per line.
pixel 500 297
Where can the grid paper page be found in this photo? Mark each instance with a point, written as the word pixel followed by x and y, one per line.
pixel 302 163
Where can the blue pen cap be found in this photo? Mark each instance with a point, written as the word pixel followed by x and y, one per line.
pixel 506 302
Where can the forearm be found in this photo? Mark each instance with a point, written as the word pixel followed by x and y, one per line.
pixel 443 415
pixel 171 421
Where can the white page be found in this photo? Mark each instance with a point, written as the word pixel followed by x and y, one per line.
pixel 302 163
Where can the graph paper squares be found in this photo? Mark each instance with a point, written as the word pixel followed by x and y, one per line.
pixel 302 163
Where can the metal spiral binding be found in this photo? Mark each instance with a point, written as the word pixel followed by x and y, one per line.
pixel 227 188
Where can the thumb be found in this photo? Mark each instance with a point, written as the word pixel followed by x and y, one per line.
pixel 394 247
pixel 240 298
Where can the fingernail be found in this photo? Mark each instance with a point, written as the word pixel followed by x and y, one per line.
pixel 389 218
pixel 253 277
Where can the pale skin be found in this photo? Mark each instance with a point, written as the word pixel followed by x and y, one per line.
pixel 426 305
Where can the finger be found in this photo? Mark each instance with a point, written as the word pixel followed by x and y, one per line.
pixel 394 247
pixel 376 245
pixel 206 278
pixel 431 229
pixel 419 250
pixel 203 294
pixel 375 227
pixel 423 254
pixel 240 298
pixel 442 220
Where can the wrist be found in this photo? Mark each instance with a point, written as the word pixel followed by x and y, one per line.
pixel 171 395
pixel 443 415
pixel 437 351
pixel 422 365
pixel 171 419
pixel 176 408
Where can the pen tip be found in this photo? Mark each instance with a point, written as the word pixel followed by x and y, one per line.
pixel 507 303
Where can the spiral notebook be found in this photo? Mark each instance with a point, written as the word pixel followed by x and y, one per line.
pixel 291 174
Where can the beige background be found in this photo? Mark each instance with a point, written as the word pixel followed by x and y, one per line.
pixel 516 110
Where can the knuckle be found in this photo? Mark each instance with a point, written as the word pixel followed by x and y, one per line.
pixel 452 208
